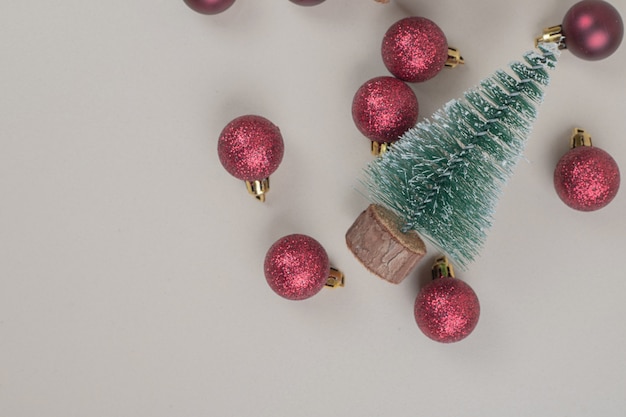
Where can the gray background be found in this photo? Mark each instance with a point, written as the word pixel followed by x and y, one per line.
pixel 131 279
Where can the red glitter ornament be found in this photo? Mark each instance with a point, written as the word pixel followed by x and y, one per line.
pixel 209 6
pixel 593 29
pixel 447 309
pixel 251 148
pixel 586 178
pixel 297 267
pixel 384 108
pixel 414 49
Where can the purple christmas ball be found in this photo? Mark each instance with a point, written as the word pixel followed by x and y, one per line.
pixel 593 29
pixel 307 2
pixel 209 6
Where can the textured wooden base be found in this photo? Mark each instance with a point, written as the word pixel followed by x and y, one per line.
pixel 376 240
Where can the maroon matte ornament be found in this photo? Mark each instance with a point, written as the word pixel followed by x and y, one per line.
pixel 297 267
pixel 586 178
pixel 591 30
pixel 250 148
pixel 383 109
pixel 209 6
pixel 307 2
pixel 415 49
pixel 446 309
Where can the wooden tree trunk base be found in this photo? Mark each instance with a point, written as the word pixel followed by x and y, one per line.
pixel 376 240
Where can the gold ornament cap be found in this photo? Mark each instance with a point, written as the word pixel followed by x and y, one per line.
pixel 454 58
pixel 442 268
pixel 580 137
pixel 379 148
pixel 258 188
pixel 336 278
pixel 553 34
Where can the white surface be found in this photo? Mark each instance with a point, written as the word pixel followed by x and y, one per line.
pixel 131 279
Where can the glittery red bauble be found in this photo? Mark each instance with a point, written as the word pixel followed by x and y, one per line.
pixel 307 2
pixel 296 267
pixel 414 49
pixel 384 108
pixel 209 6
pixel 447 310
pixel 250 148
pixel 586 178
pixel 593 29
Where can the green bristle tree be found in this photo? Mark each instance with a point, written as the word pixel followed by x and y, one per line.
pixel 444 176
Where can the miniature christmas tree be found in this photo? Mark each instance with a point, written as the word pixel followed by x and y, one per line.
pixel 444 176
